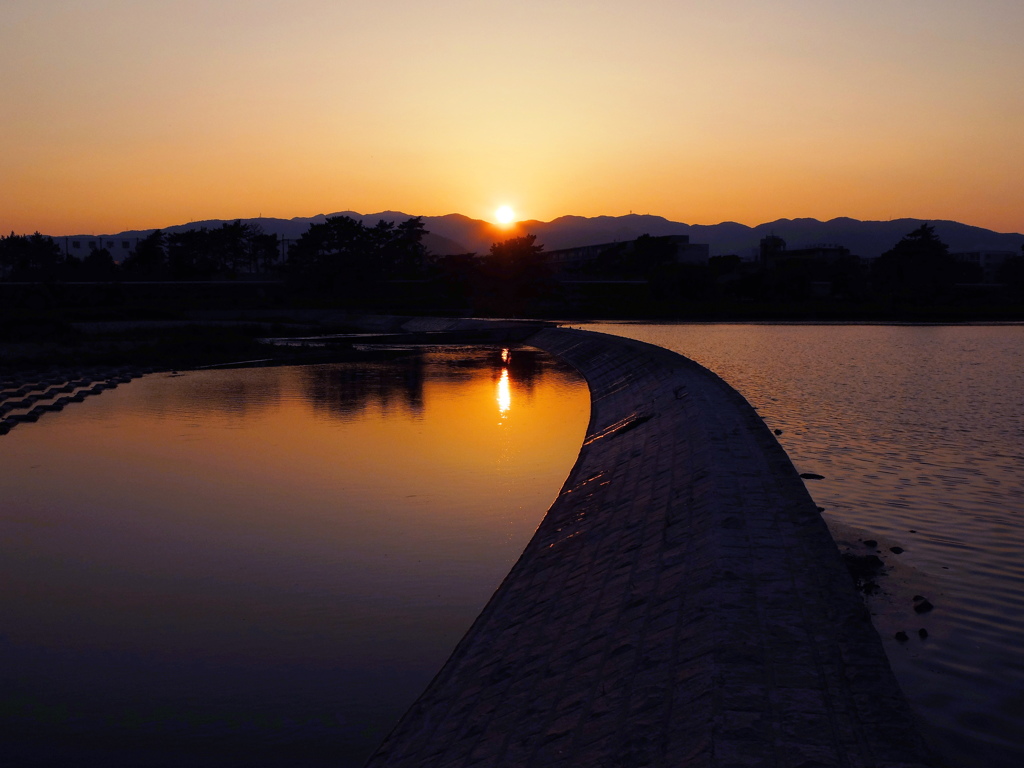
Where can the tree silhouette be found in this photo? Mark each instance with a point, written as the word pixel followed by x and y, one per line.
pixel 517 274
pixel 406 252
pixel 917 269
pixel 98 265
pixel 149 259
pixel 191 254
pixel 264 252
pixel 517 254
pixel 342 255
pixel 229 247
pixel 330 256
pixel 199 254
pixel 29 257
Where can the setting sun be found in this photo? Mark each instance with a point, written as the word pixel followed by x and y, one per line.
pixel 505 215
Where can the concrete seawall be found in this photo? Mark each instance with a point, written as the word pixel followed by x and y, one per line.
pixel 682 603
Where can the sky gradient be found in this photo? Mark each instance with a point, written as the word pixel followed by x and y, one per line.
pixel 129 114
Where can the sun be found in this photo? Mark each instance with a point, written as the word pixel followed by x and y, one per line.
pixel 505 215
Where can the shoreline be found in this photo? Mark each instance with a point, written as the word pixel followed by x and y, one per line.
pixel 682 602
pixel 743 558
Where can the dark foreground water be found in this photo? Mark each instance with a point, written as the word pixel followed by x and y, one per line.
pixel 919 434
pixel 264 566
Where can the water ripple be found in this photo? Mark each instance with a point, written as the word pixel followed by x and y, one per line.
pixel 918 431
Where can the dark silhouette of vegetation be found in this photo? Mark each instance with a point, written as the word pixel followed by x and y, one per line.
pixel 917 269
pixel 343 263
pixel 149 260
pixel 203 254
pixel 29 257
pixel 341 255
pixel 98 265
pixel 515 275
pixel 456 282
pixel 231 250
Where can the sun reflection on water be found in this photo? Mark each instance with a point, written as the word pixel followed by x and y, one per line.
pixel 504 393
pixel 504 388
pixel 371 487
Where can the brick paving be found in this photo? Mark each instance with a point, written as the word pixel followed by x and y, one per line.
pixel 681 604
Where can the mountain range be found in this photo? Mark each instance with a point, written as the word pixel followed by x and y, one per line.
pixel 455 233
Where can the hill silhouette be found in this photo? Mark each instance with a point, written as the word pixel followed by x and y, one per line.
pixel 456 233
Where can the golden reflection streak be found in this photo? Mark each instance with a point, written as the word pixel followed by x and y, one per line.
pixel 504 392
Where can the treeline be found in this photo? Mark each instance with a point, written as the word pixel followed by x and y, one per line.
pixel 203 254
pixel 343 262
pixel 197 254
pixel 338 261
pixel 387 266
pixel 337 253
pixel 341 254
pixel 917 275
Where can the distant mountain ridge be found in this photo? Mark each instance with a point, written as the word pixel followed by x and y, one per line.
pixel 455 233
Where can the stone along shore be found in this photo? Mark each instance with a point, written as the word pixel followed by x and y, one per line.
pixel 29 396
pixel 681 604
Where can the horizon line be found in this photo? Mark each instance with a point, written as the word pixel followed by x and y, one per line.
pixel 515 224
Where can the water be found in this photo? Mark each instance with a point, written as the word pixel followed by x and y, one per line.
pixel 919 433
pixel 265 566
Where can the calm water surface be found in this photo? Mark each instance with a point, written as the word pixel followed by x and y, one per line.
pixel 919 433
pixel 264 566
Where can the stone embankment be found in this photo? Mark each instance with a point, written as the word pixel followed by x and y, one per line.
pixel 681 604
pixel 32 395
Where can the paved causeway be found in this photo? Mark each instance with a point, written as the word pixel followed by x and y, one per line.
pixel 682 604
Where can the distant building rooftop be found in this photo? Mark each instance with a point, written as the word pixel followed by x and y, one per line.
pixel 682 250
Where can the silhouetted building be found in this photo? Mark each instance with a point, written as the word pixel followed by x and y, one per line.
pixel 81 246
pixel 773 250
pixel 771 247
pixel 678 247
pixel 988 261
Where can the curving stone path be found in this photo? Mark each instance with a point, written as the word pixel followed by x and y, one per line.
pixel 681 604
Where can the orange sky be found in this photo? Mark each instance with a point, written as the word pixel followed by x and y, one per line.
pixel 120 114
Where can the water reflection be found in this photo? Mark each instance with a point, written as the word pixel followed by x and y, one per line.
pixel 504 392
pixel 346 390
pixel 215 391
pixel 918 433
pixel 525 367
pixel 195 581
